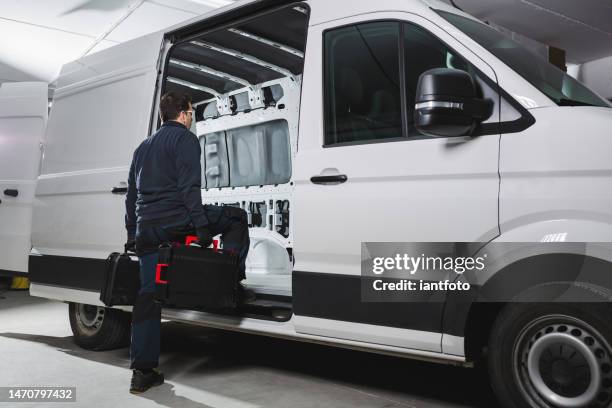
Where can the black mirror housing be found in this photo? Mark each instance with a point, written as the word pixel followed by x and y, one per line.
pixel 447 104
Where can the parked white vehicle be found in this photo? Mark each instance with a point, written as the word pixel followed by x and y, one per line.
pixel 306 117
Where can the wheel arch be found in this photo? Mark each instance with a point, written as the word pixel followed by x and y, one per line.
pixel 543 276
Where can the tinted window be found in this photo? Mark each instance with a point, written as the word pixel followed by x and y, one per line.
pixel 362 83
pixel 550 80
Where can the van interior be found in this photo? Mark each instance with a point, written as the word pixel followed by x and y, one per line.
pixel 245 82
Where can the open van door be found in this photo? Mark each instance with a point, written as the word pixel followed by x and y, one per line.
pixel 101 112
pixel 23 117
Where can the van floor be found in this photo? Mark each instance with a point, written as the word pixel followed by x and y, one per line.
pixel 213 368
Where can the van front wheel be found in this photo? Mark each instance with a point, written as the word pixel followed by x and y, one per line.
pixel 99 328
pixel 552 355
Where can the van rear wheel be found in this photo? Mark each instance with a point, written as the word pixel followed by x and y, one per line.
pixel 552 355
pixel 99 328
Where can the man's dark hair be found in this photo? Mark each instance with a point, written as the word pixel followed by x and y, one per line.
pixel 172 104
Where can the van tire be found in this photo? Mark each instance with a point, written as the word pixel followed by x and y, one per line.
pixel 99 328
pixel 526 336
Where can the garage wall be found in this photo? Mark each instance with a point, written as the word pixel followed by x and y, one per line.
pixel 597 75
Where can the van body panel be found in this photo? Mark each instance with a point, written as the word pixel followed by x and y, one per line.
pixel 23 117
pixel 556 177
pixel 555 189
pixel 326 12
pixel 284 330
pixel 453 196
pixel 101 112
pixel 109 62
pixel 559 254
pixel 418 190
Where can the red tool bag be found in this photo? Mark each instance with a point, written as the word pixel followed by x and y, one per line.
pixel 191 277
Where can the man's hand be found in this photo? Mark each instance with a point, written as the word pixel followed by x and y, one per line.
pixel 205 238
pixel 130 246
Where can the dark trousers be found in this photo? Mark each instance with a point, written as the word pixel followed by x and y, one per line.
pixel 230 222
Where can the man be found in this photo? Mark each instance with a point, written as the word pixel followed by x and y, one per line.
pixel 164 204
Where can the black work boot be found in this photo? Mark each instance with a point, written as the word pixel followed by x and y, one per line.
pixel 143 381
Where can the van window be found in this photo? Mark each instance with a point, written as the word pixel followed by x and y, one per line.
pixel 363 99
pixel 550 80
pixel 364 66
pixel 362 83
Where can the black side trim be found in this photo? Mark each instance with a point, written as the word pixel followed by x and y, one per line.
pixel 457 310
pixel 524 122
pixel 338 297
pixel 527 273
pixel 13 274
pixel 66 271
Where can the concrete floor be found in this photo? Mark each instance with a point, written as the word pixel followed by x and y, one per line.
pixel 212 368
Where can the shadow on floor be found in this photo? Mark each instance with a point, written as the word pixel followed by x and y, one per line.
pixel 164 394
pixel 206 352
pixel 11 298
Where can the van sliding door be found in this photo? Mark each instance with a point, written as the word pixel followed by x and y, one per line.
pixel 100 114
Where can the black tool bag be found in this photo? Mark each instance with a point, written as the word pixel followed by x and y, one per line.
pixel 121 280
pixel 191 277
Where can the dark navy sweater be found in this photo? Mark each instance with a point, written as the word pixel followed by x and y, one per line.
pixel 165 178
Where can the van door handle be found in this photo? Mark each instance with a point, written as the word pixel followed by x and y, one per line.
pixel 11 192
pixel 119 190
pixel 335 179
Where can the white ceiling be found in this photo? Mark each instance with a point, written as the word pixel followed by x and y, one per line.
pixel 39 36
pixel 583 28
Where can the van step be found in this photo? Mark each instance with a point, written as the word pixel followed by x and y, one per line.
pixel 268 309
pixel 277 315
pixel 265 307
pixel 268 303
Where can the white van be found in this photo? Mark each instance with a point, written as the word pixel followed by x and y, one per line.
pixel 306 117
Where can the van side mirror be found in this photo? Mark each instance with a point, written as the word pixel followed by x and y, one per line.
pixel 447 104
